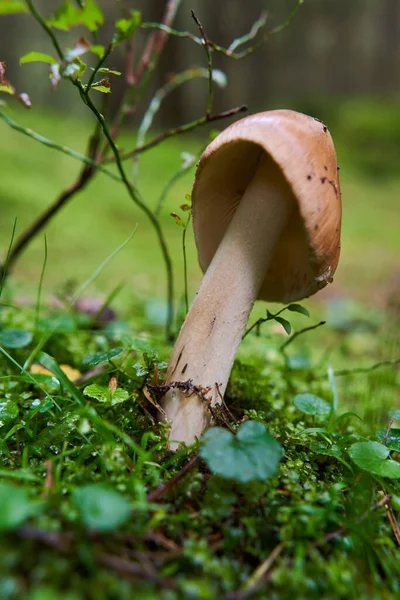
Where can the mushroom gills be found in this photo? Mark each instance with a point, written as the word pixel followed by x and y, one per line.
pixel 208 341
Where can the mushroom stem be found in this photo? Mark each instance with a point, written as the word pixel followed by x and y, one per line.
pixel 206 346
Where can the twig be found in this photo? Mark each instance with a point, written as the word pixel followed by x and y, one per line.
pixel 61 541
pixel 134 195
pixel 178 130
pixel 300 332
pixel 228 51
pixel 394 524
pixel 4 267
pixel 206 45
pixel 156 43
pixel 83 179
pixel 155 103
pixel 185 277
pixel 176 176
pixel 49 481
pixel 128 568
pixel 165 487
pixel 257 579
pixel 64 149
pixel 344 372
pixel 255 28
pixel 97 370
pixel 98 66
pixel 388 428
pixel 256 324
pixel 38 17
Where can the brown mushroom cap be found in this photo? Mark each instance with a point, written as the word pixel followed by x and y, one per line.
pixel 307 253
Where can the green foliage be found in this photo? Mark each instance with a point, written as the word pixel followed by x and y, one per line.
pixel 373 457
pixel 70 15
pixel 9 7
pixel 15 338
pixel 312 405
pixel 104 394
pixel 37 57
pixel 253 454
pixel 15 506
pixel 127 27
pixel 101 509
pixel 310 495
pixel 123 515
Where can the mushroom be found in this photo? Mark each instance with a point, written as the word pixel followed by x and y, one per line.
pixel 266 218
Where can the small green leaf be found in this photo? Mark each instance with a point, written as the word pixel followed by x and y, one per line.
pixel 15 506
pixel 126 27
pixel 92 16
pixel 312 405
pixel 105 70
pixel 298 309
pixel 66 17
pixel 101 508
pixel 252 454
pixel 103 86
pixel 15 338
pixel 37 57
pixel 100 357
pixel 97 49
pixel 103 394
pixel 394 414
pixel 285 324
pixel 69 15
pixel 373 457
pixel 7 88
pixel 393 439
pixel 10 7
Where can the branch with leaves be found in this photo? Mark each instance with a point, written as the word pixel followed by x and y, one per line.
pixel 102 146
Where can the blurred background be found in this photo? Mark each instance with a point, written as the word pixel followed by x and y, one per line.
pixel 338 61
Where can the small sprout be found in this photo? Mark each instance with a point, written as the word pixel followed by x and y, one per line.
pixel 178 219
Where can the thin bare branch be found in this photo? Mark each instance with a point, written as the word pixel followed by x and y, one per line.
pixel 300 332
pixel 178 130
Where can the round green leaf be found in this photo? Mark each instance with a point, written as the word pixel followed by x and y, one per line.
pixel 101 508
pixel 15 338
pixel 15 506
pixel 252 454
pixel 311 405
pixel 372 457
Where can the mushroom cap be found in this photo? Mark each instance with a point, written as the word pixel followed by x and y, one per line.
pixel 307 253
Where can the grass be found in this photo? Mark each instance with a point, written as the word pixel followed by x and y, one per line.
pixel 102 215
pixel 92 505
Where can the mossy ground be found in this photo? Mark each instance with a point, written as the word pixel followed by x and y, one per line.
pixel 319 528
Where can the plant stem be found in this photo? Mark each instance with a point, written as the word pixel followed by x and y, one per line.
pixel 178 130
pixel 47 29
pixel 133 193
